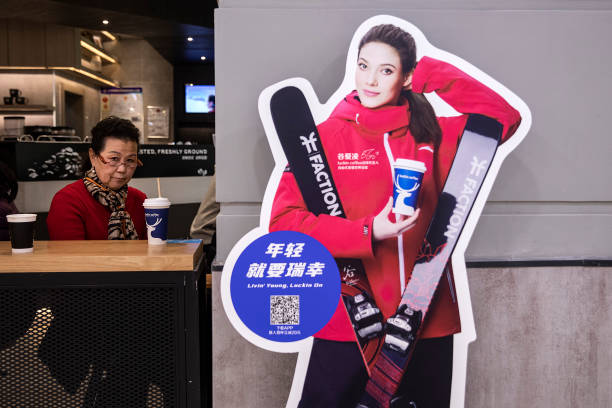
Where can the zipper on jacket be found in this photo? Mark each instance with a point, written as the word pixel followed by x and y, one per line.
pixel 400 239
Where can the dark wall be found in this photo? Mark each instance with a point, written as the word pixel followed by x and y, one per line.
pixel 189 126
pixel 194 12
pixel 200 74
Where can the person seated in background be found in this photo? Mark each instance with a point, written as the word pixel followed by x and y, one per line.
pixel 8 192
pixel 101 205
pixel 204 224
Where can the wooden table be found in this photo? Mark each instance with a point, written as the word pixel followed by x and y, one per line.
pixel 115 322
pixel 101 256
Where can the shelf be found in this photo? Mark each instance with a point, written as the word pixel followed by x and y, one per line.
pixel 4 109
pixel 92 48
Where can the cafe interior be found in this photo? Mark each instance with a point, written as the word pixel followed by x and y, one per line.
pixel 113 323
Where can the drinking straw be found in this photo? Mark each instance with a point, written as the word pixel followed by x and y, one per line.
pixel 158 188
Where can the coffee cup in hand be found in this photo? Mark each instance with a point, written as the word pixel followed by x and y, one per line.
pixel 407 179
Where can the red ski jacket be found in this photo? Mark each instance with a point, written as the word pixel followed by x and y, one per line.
pixel 354 139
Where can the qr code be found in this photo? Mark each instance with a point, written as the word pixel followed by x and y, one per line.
pixel 285 309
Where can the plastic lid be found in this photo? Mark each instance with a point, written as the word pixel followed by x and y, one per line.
pixel 157 202
pixel 21 217
pixel 411 164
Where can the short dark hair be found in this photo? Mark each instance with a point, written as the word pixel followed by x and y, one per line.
pixel 8 183
pixel 115 127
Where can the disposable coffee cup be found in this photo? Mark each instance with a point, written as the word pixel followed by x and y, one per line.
pixel 156 216
pixel 407 178
pixel 21 229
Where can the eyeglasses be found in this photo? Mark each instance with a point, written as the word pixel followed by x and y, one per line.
pixel 115 162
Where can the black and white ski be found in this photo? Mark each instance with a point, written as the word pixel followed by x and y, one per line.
pixel 297 132
pixel 474 156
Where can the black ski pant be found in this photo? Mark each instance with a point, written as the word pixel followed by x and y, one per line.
pixel 336 376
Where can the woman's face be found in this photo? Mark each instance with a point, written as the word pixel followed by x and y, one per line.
pixel 379 79
pixel 116 163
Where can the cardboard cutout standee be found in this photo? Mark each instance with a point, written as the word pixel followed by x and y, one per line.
pixel 402 103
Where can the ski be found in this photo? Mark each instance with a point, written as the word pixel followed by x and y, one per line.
pixel 299 138
pixel 474 155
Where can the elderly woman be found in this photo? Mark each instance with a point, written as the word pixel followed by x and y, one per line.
pixel 101 205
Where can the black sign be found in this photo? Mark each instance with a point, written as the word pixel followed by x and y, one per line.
pixel 176 160
pixel 33 161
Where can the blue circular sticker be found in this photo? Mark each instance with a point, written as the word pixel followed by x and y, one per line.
pixel 285 286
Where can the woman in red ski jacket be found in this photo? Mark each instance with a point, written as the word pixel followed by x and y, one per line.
pixel 384 119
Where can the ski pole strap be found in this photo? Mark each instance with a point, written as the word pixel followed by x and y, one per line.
pixel 474 155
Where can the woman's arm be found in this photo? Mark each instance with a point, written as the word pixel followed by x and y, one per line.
pixel 464 93
pixel 342 237
pixel 65 221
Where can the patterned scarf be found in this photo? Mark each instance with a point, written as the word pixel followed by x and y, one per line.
pixel 120 225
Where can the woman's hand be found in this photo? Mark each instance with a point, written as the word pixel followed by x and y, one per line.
pixel 382 228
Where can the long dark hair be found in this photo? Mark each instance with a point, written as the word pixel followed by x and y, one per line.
pixel 423 123
pixel 8 183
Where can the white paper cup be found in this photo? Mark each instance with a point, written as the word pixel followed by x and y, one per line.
pixel 156 217
pixel 21 229
pixel 407 178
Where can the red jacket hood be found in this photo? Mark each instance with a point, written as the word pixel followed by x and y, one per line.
pixel 377 121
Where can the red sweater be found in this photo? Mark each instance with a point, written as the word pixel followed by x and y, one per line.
pixel 354 142
pixel 75 214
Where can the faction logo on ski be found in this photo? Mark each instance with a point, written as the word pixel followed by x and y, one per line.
pixel 464 200
pixel 321 174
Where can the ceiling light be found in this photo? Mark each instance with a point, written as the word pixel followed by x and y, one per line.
pixel 202 58
pixel 105 22
pixel 189 39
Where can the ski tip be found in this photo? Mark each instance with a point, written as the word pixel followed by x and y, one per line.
pixel 287 92
pixel 288 100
